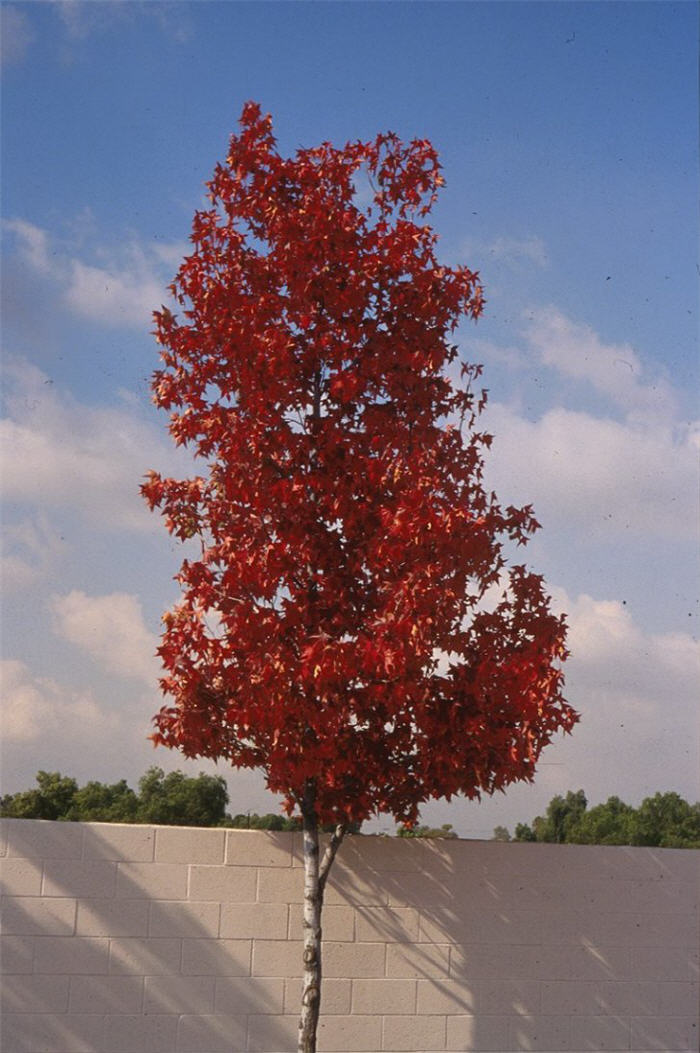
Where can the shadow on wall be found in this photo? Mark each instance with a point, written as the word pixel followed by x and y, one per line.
pixel 107 954
pixel 528 946
pixel 123 939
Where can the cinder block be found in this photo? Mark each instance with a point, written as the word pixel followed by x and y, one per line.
pixel 513 997
pixel 663 963
pixel 338 923
pixel 530 927
pixel 661 896
pixel 679 999
pixel 225 884
pixel 483 961
pixel 460 925
pixel 269 1033
pixel 176 844
pixel 281 886
pixel 186 919
pixel 445 996
pixel 263 921
pixel 667 930
pixel 110 917
pixel 216 957
pixel 145 957
pixel 600 1032
pixel 623 929
pixel 422 961
pixel 79 878
pixel 278 958
pixel 390 924
pixel 665 1033
pixel 414 1032
pixel 630 998
pixel 573 998
pixel 16 955
pixel 179 994
pixel 356 887
pixel 445 924
pixel 336 996
pixel 238 996
pixel 42 838
pixel 152 880
pixel 106 994
pixel 119 842
pixel 258 848
pixel 388 854
pixel 539 1033
pixel 211 1034
pixel 353 959
pixel 356 1033
pixel 480 1033
pixel 35 994
pixel 52 1033
pixel 20 877
pixel 73 955
pixel 380 996
pixel 34 916
pixel 139 1034
pixel 597 962
pixel 424 891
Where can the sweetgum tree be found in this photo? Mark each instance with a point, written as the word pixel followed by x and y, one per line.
pixel 333 631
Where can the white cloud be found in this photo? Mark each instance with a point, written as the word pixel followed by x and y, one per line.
pixel 58 453
pixel 32 242
pixel 614 370
pixel 637 693
pixel 513 252
pixel 633 471
pixel 122 290
pixel 589 473
pixel 114 297
pixel 82 20
pixel 36 708
pixel 16 35
pixel 30 549
pixel 110 629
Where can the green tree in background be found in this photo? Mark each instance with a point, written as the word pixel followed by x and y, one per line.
pixel 52 799
pixel 98 802
pixel 500 833
pixel 605 824
pixel 175 798
pixel 665 820
pixel 445 831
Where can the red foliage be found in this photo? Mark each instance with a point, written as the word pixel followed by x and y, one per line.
pixel 334 628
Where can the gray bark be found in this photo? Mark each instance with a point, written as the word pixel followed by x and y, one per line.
pixel 315 877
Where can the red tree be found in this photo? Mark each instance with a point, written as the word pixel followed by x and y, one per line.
pixel 334 631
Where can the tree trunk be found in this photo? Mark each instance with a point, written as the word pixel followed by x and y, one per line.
pixel 315 877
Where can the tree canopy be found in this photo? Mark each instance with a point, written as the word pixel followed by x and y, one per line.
pixel 665 820
pixel 334 632
pixel 351 626
pixel 173 799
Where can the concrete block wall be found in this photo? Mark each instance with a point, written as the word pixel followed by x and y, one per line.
pixel 135 939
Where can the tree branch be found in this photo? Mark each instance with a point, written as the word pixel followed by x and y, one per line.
pixel 330 854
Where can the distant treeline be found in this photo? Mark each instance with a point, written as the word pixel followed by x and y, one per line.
pixel 175 799
pixel 665 820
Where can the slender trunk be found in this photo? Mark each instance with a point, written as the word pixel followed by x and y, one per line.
pixel 315 877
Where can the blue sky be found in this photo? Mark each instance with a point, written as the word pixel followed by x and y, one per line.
pixel 568 137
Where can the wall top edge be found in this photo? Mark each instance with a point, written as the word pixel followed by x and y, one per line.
pixel 444 845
